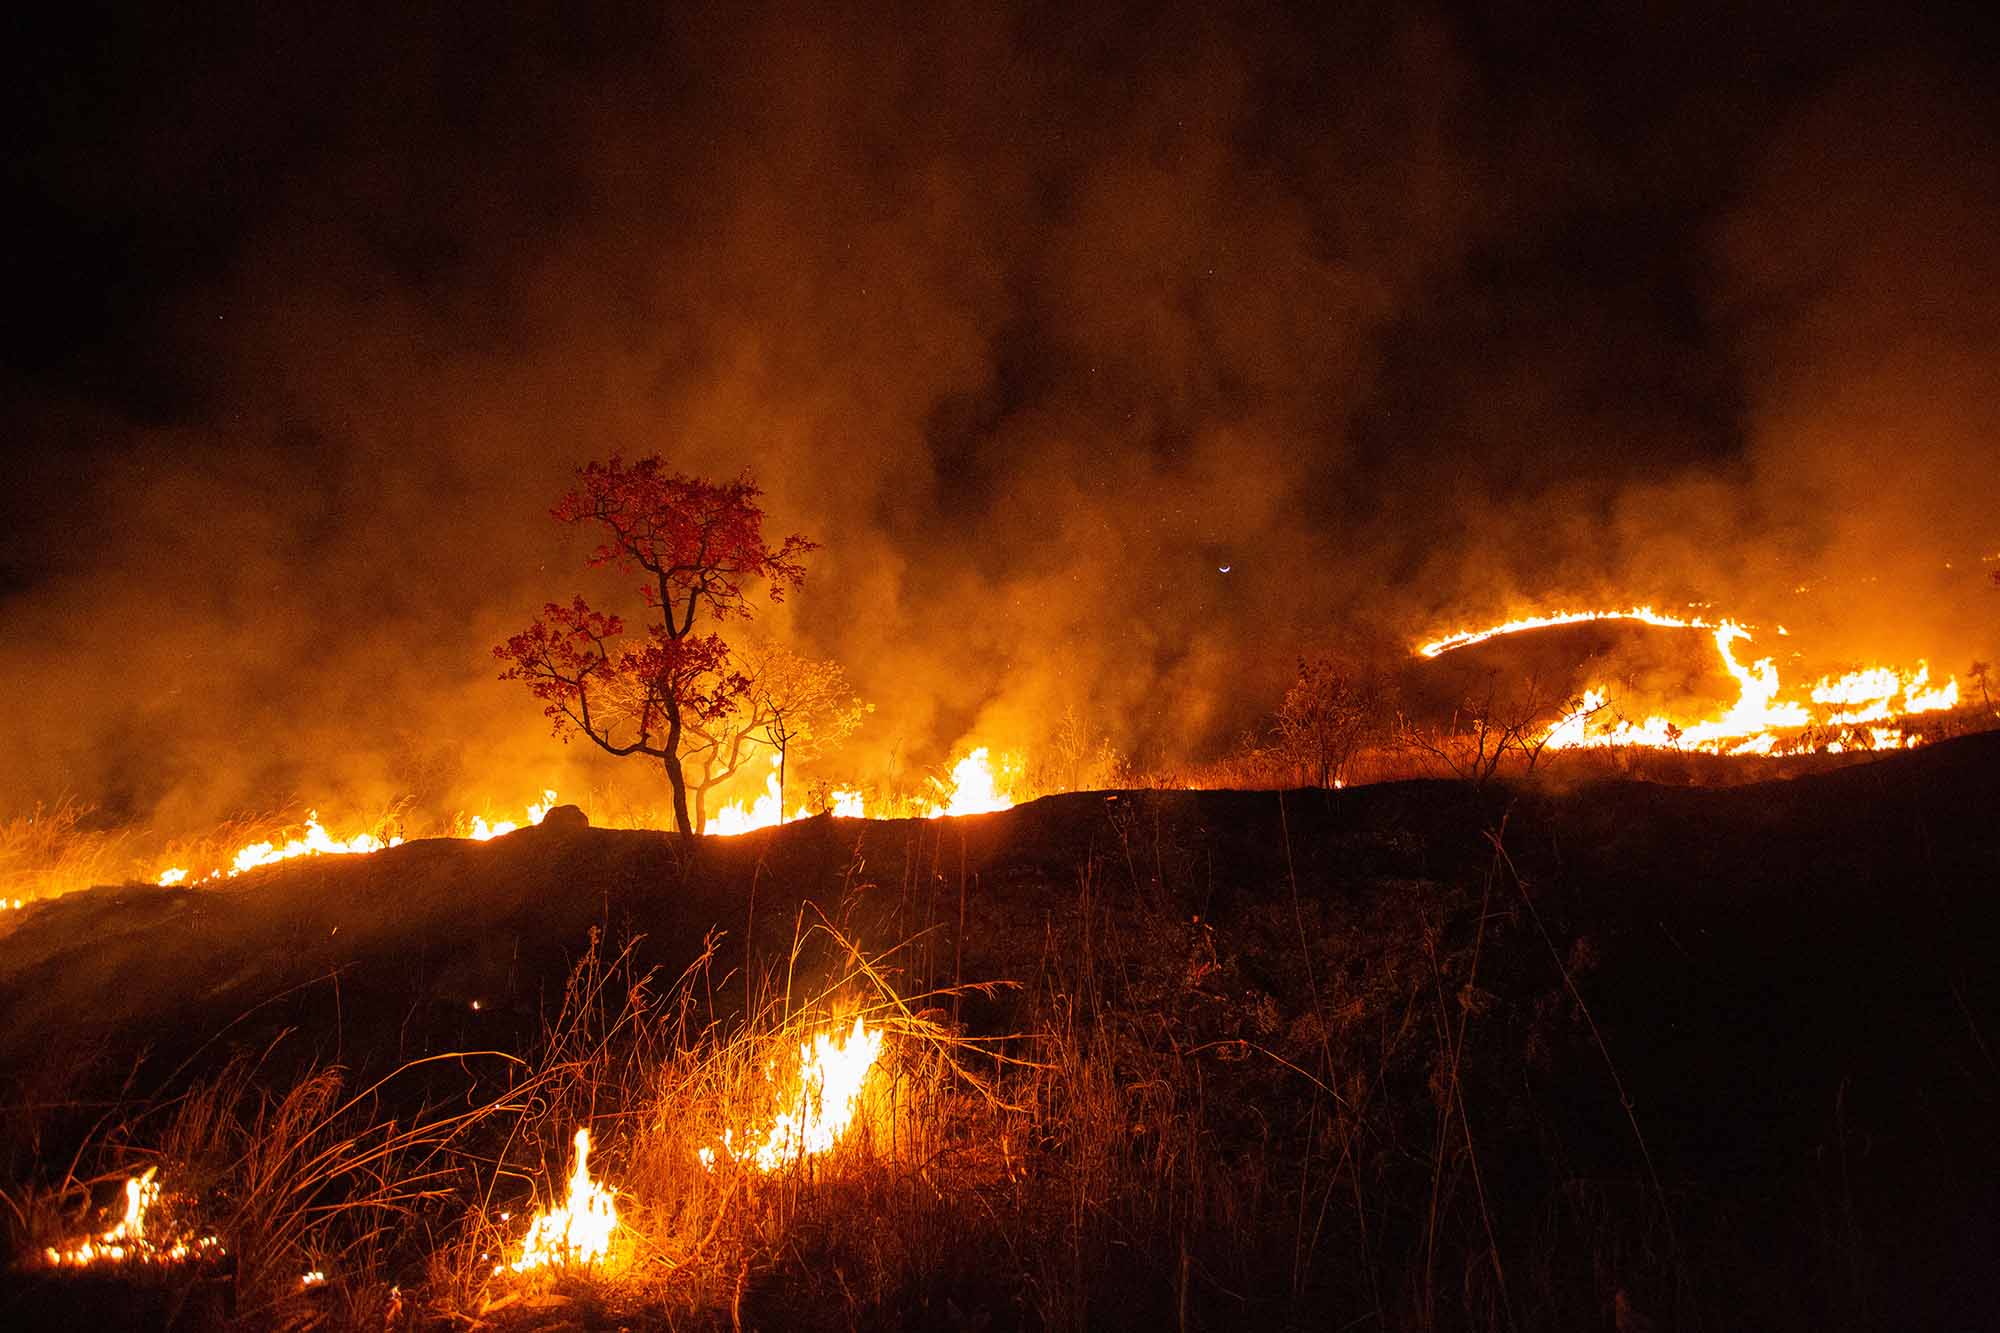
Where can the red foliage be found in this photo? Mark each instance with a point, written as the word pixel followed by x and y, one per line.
pixel 699 541
pixel 620 697
pixel 700 544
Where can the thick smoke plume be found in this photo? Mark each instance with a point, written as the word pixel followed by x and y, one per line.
pixel 1037 321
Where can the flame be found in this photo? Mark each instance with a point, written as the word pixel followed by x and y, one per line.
pixel 1644 614
pixel 1755 722
pixel 128 1242
pixel 765 811
pixel 975 787
pixel 316 841
pixel 832 1073
pixel 481 831
pixel 579 1232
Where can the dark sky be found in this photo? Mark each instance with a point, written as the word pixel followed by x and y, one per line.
pixel 1035 318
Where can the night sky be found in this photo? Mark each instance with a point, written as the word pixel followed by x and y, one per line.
pixel 1409 315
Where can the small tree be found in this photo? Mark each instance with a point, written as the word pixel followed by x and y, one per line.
pixel 1488 726
pixel 794 705
pixel 1330 710
pixel 805 704
pixel 699 545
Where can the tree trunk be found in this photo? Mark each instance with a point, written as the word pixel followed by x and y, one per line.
pixel 671 761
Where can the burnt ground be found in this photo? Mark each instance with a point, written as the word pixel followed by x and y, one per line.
pixel 1791 985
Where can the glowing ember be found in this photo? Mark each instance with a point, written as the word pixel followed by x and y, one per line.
pixel 128 1242
pixel 832 1072
pixel 578 1232
pixel 1753 724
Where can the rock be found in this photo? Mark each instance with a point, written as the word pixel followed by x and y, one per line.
pixel 565 819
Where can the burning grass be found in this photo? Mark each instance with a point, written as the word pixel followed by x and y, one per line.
pixel 1382 1098
pixel 53 850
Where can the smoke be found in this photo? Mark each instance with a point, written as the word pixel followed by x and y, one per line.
pixel 1037 321
pixel 1856 278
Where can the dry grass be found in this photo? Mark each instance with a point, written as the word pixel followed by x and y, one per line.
pixel 1138 1134
pixel 54 850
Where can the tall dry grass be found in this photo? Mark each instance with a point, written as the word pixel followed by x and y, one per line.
pixel 54 850
pixel 1148 1126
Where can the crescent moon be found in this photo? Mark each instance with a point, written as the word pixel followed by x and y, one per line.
pixel 1223 569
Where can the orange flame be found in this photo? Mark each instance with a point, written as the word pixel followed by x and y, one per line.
pixel 1754 723
pixel 316 841
pixel 128 1242
pixel 832 1072
pixel 1644 614
pixel 481 831
pixel 577 1232
pixel 975 787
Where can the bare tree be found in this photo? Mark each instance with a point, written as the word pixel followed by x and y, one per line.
pixel 1488 726
pixel 805 704
pixel 792 705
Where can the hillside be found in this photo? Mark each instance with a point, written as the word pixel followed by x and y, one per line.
pixel 1403 1025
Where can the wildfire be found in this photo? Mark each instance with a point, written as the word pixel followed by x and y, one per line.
pixel 1754 723
pixel 832 1073
pixel 577 1232
pixel 128 1242
pixel 316 841
pixel 481 831
pixel 975 787
pixel 1644 614
pixel 768 809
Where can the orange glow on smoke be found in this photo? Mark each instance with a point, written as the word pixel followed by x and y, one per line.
pixel 1761 715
